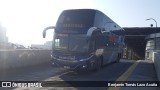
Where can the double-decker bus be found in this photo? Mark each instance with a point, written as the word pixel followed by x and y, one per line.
pixel 85 39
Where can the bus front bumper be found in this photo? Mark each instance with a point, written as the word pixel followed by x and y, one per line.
pixel 74 64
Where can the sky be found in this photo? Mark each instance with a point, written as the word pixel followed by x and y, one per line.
pixel 24 20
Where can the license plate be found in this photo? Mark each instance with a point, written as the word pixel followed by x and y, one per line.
pixel 67 67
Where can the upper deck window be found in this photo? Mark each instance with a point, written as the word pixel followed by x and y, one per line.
pixel 76 19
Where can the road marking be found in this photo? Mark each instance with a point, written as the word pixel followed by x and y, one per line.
pixel 57 77
pixel 125 75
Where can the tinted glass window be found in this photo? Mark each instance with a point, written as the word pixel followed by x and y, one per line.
pixel 76 19
pixel 72 43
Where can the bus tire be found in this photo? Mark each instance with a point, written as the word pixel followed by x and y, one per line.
pixel 98 64
pixel 118 57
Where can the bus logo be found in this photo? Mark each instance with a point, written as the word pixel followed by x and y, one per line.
pixel 6 84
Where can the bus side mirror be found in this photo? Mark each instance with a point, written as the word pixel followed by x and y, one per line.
pixel 44 34
pixel 91 30
pixel 44 31
pixel 104 31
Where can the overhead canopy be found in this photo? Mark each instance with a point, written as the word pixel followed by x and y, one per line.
pixel 135 38
pixel 141 30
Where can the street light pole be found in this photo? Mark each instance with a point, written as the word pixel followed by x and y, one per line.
pixel 155 31
pixel 153 20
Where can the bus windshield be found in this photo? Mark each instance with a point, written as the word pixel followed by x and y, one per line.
pixel 71 42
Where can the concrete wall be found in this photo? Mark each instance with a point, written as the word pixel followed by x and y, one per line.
pixel 156 60
pixel 23 58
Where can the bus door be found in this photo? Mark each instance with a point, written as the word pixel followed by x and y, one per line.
pixel 108 47
pixel 102 44
pixel 113 47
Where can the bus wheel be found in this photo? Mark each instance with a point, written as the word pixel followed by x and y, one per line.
pixel 118 57
pixel 98 64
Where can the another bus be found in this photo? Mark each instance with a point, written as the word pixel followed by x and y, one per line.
pixel 85 39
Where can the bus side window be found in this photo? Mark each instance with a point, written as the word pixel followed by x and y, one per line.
pixel 57 42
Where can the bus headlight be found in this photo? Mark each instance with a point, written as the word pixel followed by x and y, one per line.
pixel 85 59
pixel 84 66
pixel 53 57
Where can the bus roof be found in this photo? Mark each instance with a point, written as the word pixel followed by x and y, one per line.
pixel 83 19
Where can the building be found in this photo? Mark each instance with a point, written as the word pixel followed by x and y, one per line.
pixel 3 38
pixel 47 45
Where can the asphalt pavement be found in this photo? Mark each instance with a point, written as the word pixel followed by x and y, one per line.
pixel 125 70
